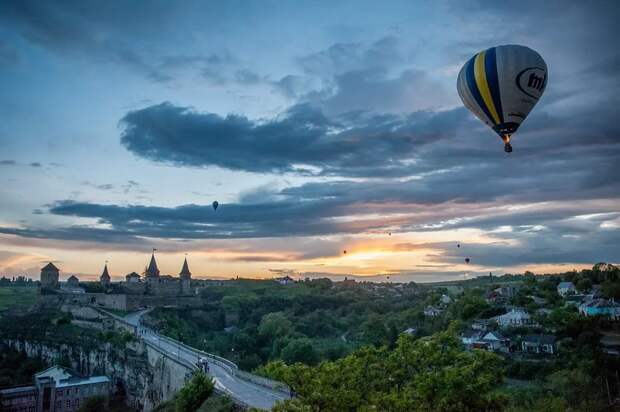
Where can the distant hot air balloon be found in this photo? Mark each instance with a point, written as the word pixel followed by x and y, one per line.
pixel 215 205
pixel 390 234
pixel 458 245
pixel 345 252
pixel 501 85
pixel 466 260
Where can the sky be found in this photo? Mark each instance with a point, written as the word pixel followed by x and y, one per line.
pixel 319 127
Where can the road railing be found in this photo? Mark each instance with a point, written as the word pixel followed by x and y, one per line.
pixel 233 369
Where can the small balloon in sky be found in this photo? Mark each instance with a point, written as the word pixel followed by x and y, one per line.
pixel 458 245
pixel 466 260
pixel 345 252
pixel 501 85
pixel 215 205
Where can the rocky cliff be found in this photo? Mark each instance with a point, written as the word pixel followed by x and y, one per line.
pixel 143 377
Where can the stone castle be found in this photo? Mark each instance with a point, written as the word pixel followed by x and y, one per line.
pixel 151 289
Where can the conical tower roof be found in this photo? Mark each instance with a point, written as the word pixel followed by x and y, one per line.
pixel 152 270
pixel 105 274
pixel 50 266
pixel 185 270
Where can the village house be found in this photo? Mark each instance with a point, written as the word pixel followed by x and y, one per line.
pixel 540 344
pixel 495 341
pixel 566 288
pixel 601 307
pixel 432 311
pixel 410 331
pixel 445 299
pixel 491 340
pixel 515 317
pixel 286 280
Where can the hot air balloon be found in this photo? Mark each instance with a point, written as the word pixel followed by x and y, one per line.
pixel 458 245
pixel 501 85
pixel 466 260
pixel 215 205
pixel 345 252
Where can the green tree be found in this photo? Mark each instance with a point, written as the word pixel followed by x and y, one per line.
pixel 274 325
pixel 432 373
pixel 194 393
pixel 300 350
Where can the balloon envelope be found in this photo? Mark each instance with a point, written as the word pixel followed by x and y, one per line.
pixel 215 205
pixel 501 85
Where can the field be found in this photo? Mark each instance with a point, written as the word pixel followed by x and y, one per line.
pixel 16 297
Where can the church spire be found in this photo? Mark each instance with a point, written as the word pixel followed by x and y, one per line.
pixel 152 270
pixel 105 276
pixel 185 270
pixel 105 273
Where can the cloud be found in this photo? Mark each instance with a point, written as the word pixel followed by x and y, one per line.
pixel 302 140
pixel 35 164
pixel 7 162
pixel 96 32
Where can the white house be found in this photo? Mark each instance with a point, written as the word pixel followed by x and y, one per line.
pixel 516 317
pixel 566 288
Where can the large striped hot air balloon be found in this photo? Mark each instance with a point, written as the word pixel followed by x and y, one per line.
pixel 501 85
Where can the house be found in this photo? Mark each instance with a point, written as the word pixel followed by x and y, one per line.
pixel 286 280
pixel 445 299
pixel 538 344
pixel 566 288
pixel 471 336
pixel 507 291
pixel 348 282
pixel 480 324
pixel 55 389
pixel 601 307
pixel 432 311
pixel 515 317
pixel 410 331
pixel 495 341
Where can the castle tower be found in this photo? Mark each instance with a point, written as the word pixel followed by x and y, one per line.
pixel 151 275
pixel 186 279
pixel 104 279
pixel 49 276
pixel 152 270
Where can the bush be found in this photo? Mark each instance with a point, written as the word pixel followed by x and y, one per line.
pixel 194 393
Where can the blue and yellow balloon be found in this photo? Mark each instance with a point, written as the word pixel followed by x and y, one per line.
pixel 501 85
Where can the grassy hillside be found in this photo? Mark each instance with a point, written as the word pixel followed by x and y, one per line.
pixel 17 297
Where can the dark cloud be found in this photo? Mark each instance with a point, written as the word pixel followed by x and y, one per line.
pixel 302 140
pixel 7 162
pixel 35 164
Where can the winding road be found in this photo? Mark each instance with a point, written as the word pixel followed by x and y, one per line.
pixel 247 392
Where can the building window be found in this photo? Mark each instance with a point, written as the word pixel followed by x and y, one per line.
pixel 59 404
pixel 68 403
